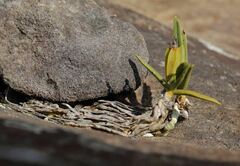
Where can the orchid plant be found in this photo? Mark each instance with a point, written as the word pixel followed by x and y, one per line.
pixel 177 75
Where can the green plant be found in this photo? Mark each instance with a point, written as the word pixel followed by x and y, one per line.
pixel 177 69
pixel 177 76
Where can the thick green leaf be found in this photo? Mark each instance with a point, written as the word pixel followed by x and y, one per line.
pixel 181 76
pixel 177 32
pixel 184 48
pixel 166 62
pixel 181 39
pixel 172 61
pixel 184 73
pixel 154 72
pixel 187 77
pixel 196 95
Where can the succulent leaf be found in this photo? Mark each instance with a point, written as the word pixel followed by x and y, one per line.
pixel 177 31
pixel 183 75
pixel 184 48
pixel 181 39
pixel 154 72
pixel 186 80
pixel 172 61
pixel 196 95
pixel 166 62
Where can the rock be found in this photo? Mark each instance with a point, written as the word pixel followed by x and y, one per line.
pixel 26 140
pixel 67 50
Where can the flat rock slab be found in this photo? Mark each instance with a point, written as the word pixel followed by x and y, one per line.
pixel 68 50
pixel 209 137
pixel 26 140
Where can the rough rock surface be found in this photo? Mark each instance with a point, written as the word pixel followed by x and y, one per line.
pixel 209 137
pixel 29 141
pixel 67 50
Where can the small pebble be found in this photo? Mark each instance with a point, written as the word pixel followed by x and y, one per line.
pixel 148 135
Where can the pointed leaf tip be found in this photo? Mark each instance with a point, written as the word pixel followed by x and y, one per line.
pixel 196 95
pixel 177 31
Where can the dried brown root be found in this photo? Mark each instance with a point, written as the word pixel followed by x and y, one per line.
pixel 110 116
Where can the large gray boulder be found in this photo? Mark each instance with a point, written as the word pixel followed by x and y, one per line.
pixel 67 50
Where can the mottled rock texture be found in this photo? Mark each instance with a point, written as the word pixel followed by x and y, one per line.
pixel 67 50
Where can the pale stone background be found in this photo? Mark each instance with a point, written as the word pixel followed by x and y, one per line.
pixel 215 21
